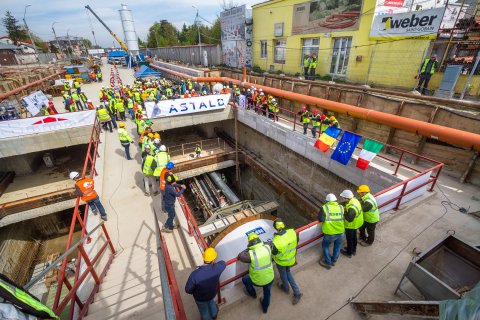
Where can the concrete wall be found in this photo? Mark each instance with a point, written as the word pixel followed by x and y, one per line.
pixel 188 54
pixel 21 164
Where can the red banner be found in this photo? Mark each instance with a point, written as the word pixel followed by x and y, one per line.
pixel 394 3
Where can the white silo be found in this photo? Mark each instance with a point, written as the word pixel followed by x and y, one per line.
pixel 131 38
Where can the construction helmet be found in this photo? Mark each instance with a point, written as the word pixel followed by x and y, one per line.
pixel 150 135
pixel 157 141
pixel 332 118
pixel 209 255
pixel 347 194
pixel 156 135
pixel 162 147
pixel 121 124
pixel 170 165
pixel 363 188
pixel 273 100
pixel 322 117
pixel 74 175
pixel 331 197
pixel 148 121
pixel 147 146
pixel 304 108
pixel 252 236
pixel 278 224
pixel 315 111
pixel 139 108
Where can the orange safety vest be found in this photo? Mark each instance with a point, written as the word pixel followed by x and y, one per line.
pixel 87 186
pixel 163 181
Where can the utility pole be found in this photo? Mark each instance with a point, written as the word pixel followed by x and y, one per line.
pixel 199 39
pixel 28 31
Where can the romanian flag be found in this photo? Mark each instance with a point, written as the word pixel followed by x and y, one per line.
pixel 370 149
pixel 327 139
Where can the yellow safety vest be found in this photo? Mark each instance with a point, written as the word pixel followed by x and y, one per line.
pixel 261 267
pixel 130 103
pixel 162 159
pixel 424 66
pixel 373 215
pixel 306 117
pixel 119 105
pixel 315 121
pixel 286 245
pixel 358 220
pixel 147 166
pixel 123 135
pixel 306 62
pixel 333 223
pixel 75 96
pixel 103 115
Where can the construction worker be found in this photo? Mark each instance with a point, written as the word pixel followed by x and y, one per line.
pixel 260 271
pixel 120 107
pixel 85 188
pixel 169 93
pixel 66 100
pixel 333 228
pixel 90 105
pixel 203 282
pixel 169 198
pixel 427 69
pixel 77 86
pixel 102 96
pixel 17 297
pixel 353 221
pixel 147 140
pixel 198 150
pixel 157 144
pixel 162 158
pixel 111 111
pixel 99 75
pixel 130 105
pixel 125 139
pixel 315 118
pixel 305 119
pixel 66 87
pixel 371 216
pixel 44 111
pixel 306 65
pixel 137 96
pixel 104 118
pixel 284 251
pixel 167 171
pixel 76 100
pixel 313 66
pixel 273 108
pixel 333 122
pixel 148 167
pixel 324 123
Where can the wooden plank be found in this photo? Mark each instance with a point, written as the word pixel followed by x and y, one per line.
pixel 423 309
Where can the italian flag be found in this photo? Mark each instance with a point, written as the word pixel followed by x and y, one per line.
pixel 370 149
pixel 327 139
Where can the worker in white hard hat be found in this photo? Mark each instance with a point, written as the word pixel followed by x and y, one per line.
pixel 333 228
pixel 85 188
pixel 125 139
pixel 353 221
pixel 162 158
pixel 203 282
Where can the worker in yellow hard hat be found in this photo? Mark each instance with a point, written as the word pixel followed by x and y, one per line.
pixel 333 122
pixel 371 215
pixel 203 282
pixel 260 271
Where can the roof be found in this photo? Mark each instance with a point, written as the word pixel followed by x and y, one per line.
pixel 5 46
pixel 145 71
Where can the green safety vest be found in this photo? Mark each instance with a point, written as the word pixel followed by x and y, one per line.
pixel 147 166
pixel 162 159
pixel 103 115
pixel 273 107
pixel 324 125
pixel 130 103
pixel 75 96
pixel 260 268
pixel 66 86
pixel 73 107
pixel 137 97
pixel 76 84
pixel 25 301
pixel 286 245
pixel 146 140
pixel 99 74
pixel 123 135
pixel 333 223
pixel 313 64
pixel 336 123
pixel 424 66
pixel 306 117
pixel 358 220
pixel 198 149
pixel 373 215
pixel 306 62
pixel 119 105
pixel 45 112
pixel 169 92
pixel 66 97
pixel 315 121
pixel 141 126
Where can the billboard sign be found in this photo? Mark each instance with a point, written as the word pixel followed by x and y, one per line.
pixel 237 41
pixel 326 16
pixel 34 102
pixel 415 24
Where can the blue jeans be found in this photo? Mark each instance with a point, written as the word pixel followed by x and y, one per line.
pixel 127 150
pixel 131 113
pixel 251 291
pixel 337 244
pixel 287 278
pixel 208 309
pixel 96 204
pixel 171 216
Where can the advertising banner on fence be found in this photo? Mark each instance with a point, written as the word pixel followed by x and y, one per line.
pixel 415 24
pixel 22 127
pixel 168 108
pixel 34 102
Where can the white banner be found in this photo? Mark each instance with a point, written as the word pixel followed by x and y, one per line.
pixel 168 108
pixel 422 24
pixel 34 102
pixel 22 127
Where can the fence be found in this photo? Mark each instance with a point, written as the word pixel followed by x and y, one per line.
pixel 189 148
pixel 206 55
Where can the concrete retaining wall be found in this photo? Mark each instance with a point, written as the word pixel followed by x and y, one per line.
pixel 188 54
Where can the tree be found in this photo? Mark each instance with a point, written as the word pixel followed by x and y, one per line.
pixel 141 44
pixel 86 43
pixel 14 30
pixel 162 34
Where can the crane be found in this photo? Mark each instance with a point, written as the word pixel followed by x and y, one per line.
pixel 124 47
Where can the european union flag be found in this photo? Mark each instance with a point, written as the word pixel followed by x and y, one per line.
pixel 344 150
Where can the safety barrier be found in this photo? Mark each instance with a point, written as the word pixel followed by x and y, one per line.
pixel 205 145
pixel 72 297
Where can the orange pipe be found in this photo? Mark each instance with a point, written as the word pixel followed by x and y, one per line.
pixel 31 84
pixel 442 133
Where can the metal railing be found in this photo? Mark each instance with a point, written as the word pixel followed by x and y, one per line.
pixel 189 147
pixel 172 301
pixel 72 297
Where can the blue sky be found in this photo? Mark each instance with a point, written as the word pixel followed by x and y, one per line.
pixel 71 15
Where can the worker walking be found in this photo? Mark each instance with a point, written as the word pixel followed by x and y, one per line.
pixel 371 216
pixel 130 105
pixel 313 66
pixel 125 139
pixel 164 174
pixel 148 167
pixel 67 87
pixel 77 86
pixel 305 119
pixel 104 118
pixel 85 188
pixel 333 228
pixel 284 251
pixel 260 270
pixel 427 69
pixel 170 196
pixel 203 282
pixel 120 107
pixel 353 221
pixel 198 150
pixel 76 100
pixel 315 122
pixel 162 158
pixel 99 75
pixel 306 65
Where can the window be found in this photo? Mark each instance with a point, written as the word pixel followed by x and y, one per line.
pixel 263 49
pixel 309 46
pixel 279 49
pixel 340 54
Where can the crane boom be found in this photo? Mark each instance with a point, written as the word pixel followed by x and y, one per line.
pixel 124 47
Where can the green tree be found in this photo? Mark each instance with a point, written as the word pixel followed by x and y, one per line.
pixel 162 34
pixel 14 30
pixel 141 44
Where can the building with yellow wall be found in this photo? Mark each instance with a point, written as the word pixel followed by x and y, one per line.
pixel 348 53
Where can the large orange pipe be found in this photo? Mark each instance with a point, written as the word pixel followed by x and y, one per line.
pixel 31 84
pixel 445 134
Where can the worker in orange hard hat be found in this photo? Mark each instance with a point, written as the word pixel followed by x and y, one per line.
pixel 371 216
pixel 203 282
